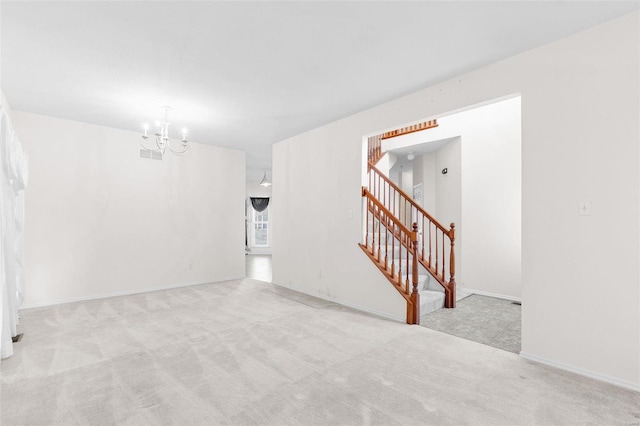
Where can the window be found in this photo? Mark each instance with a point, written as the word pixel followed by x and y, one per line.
pixel 260 228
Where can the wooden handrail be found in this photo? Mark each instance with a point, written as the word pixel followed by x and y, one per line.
pixel 430 251
pixel 418 246
pixel 411 129
pixel 398 261
pixel 366 193
pixel 374 145
pixel 406 196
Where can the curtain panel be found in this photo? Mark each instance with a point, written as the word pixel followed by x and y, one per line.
pixel 13 181
pixel 260 204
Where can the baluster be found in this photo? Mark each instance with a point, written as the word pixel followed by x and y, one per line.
pixel 414 242
pixel 422 237
pixel 373 225
pixel 379 231
pixel 386 244
pixel 375 149
pixel 399 260
pixel 443 255
pixel 366 239
pixel 373 228
pixel 392 194
pixel 393 252
pixel 404 211
pixel 386 195
pixel 375 182
pixel 451 302
pixel 430 244
pixel 407 213
pixel 407 285
pixel 436 268
pixel 415 295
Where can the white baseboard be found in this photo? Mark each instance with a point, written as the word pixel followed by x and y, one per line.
pixel 581 371
pixel 259 250
pixel 124 293
pixel 496 295
pixel 343 303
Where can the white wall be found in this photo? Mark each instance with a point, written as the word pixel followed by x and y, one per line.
pixel 449 186
pixel 254 189
pixel 384 163
pixel 101 221
pixel 427 165
pixel 316 204
pixel 580 132
pixel 481 192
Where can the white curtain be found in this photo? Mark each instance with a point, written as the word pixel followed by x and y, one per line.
pixel 13 181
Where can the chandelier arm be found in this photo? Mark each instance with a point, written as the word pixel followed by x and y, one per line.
pixel 178 152
pixel 161 147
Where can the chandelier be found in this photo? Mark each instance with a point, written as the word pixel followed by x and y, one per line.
pixel 162 136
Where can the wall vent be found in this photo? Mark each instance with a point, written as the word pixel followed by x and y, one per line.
pixel 150 155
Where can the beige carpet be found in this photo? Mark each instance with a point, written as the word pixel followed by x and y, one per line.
pixel 249 353
pixel 487 320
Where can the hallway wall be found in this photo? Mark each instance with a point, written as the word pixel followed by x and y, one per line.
pixel 580 132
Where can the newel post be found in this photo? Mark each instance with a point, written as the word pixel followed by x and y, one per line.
pixel 415 295
pixel 451 294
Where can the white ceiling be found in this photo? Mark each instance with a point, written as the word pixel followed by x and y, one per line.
pixel 247 74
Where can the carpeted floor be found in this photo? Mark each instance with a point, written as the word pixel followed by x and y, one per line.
pixel 248 353
pixel 487 320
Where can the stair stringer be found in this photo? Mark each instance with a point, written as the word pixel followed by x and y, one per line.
pixel 400 288
pixel 375 296
pixel 432 294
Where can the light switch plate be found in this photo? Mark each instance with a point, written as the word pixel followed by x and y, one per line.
pixel 584 208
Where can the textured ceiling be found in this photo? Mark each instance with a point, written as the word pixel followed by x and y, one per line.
pixel 247 74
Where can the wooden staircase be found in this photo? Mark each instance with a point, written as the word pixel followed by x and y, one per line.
pixel 402 238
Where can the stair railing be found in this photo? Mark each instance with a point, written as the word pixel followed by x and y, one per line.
pixel 392 247
pixel 374 145
pixel 435 243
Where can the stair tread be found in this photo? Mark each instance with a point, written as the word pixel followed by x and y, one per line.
pixel 430 301
pixel 434 294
